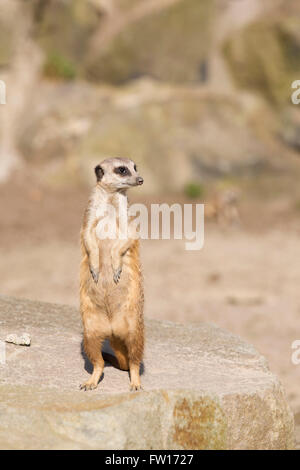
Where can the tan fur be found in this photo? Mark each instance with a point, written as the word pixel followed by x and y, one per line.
pixel 112 299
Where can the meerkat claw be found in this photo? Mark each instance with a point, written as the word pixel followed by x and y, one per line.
pixel 117 275
pixel 88 386
pixel 135 388
pixel 95 275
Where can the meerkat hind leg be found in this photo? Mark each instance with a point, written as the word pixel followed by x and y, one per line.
pixel 135 358
pixel 123 352
pixel 135 381
pixel 92 346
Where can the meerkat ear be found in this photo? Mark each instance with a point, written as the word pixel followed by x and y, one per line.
pixel 99 172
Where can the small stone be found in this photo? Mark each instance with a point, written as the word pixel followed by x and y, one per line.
pixel 22 340
pixel 247 300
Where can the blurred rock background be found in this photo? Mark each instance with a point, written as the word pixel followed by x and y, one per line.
pixel 193 90
pixel 198 93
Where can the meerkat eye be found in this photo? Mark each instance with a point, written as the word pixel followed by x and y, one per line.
pixel 135 168
pixel 122 170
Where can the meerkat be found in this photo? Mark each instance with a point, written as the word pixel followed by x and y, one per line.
pixel 224 208
pixel 111 284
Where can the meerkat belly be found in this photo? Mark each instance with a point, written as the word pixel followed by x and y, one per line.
pixel 115 295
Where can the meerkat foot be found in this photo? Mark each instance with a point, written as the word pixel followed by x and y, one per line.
pixel 89 385
pixel 135 384
pixel 95 274
pixel 135 387
pixel 117 275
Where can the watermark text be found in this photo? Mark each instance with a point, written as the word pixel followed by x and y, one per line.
pixel 180 222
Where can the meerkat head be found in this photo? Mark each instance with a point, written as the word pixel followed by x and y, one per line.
pixel 117 174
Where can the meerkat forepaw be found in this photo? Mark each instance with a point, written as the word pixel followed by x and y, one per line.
pixel 117 275
pixel 95 274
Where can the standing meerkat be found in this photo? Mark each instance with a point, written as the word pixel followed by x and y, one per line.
pixel 111 284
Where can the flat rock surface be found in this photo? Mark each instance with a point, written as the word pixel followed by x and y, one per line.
pixel 203 388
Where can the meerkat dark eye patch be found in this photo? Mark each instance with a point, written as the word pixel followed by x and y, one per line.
pixel 99 172
pixel 122 170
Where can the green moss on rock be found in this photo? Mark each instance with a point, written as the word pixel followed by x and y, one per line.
pixel 65 27
pixel 57 66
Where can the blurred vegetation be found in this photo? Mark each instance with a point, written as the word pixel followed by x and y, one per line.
pixel 57 66
pixel 63 29
pixel 194 190
pixel 297 205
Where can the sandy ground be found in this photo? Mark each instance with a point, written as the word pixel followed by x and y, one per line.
pixel 244 279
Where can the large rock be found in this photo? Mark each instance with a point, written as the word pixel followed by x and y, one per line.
pixel 265 57
pixel 171 44
pixel 203 389
pixel 124 41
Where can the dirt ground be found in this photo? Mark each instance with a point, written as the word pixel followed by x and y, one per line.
pixel 245 279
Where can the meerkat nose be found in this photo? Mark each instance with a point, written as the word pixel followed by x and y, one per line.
pixel 139 180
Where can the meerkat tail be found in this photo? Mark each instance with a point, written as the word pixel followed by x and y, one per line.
pixel 118 364
pixel 121 352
